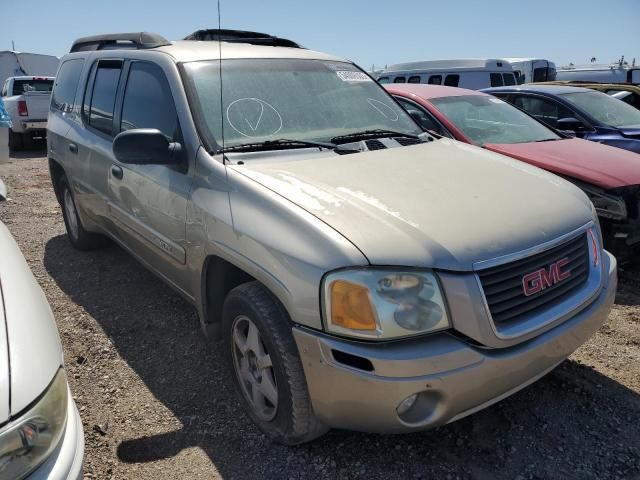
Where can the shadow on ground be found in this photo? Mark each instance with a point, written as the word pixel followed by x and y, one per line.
pixel 574 423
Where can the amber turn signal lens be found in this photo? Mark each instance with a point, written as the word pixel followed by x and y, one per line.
pixel 351 307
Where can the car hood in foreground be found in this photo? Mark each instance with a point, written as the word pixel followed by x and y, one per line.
pixel 591 162
pixel 30 349
pixel 443 205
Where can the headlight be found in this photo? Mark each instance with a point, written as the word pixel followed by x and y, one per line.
pixel 27 441
pixel 384 304
pixel 606 204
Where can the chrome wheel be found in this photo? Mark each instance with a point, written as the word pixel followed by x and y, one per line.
pixel 70 211
pixel 254 369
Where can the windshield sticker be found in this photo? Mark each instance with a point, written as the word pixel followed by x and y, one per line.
pixel 346 76
pixel 253 117
pixel 383 109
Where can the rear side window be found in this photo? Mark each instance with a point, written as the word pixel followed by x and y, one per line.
pixel 103 97
pixel 435 79
pixel 452 80
pixel 148 102
pixel 509 79
pixel 496 80
pixel 414 79
pixel 399 80
pixel 66 84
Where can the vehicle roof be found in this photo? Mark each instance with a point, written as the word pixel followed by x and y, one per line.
pixel 532 87
pixel 193 50
pixel 524 59
pixel 457 64
pixel 596 85
pixel 430 91
pixel 597 66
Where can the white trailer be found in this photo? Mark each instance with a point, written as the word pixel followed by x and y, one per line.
pixel 529 70
pixel 618 72
pixel 18 64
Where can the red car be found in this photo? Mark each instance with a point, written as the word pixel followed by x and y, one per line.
pixel 609 176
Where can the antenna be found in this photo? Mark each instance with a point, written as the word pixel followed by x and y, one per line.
pixel 13 46
pixel 220 73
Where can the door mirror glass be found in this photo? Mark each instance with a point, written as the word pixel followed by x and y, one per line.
pixel 146 146
pixel 570 123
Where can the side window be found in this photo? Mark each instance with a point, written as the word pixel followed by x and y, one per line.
pixel 509 79
pixel 66 84
pixel 545 110
pixel 103 96
pixel 496 80
pixel 452 80
pixel 399 80
pixel 414 79
pixel 383 80
pixel 148 102
pixel 435 79
pixel 420 115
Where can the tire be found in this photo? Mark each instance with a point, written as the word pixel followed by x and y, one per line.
pixel 80 238
pixel 289 419
pixel 15 141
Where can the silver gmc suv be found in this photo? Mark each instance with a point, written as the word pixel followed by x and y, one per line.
pixel 361 273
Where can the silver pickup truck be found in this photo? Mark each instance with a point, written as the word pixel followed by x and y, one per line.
pixel 360 273
pixel 26 100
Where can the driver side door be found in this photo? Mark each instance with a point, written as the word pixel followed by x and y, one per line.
pixel 148 203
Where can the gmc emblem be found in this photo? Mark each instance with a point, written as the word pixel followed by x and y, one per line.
pixel 537 281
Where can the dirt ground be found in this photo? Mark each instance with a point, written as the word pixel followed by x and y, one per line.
pixel 156 404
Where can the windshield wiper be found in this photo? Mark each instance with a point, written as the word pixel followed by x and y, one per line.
pixel 281 143
pixel 374 133
pixel 548 140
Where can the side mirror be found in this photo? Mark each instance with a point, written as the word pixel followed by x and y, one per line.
pixel 570 123
pixel 3 191
pixel 145 146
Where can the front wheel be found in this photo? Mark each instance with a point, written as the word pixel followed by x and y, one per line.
pixel 266 369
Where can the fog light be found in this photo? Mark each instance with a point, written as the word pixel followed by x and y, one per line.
pixel 404 406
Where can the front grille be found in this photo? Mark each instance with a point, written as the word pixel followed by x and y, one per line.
pixel 404 141
pixel 503 285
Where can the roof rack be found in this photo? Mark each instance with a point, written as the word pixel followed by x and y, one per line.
pixel 136 40
pixel 241 36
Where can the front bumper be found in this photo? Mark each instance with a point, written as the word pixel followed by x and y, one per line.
pixel 66 461
pixel 451 377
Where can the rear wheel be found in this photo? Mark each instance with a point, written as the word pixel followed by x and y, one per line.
pixel 78 236
pixel 15 141
pixel 266 369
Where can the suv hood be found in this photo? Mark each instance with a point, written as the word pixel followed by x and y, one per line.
pixel 591 162
pixel 443 205
pixel 30 349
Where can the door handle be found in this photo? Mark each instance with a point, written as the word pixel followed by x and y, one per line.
pixel 116 171
pixel 73 148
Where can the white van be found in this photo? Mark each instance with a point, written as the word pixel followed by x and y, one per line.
pixel 465 73
pixel 529 70
pixel 617 72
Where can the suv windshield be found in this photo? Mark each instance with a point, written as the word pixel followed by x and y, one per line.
pixel 486 119
pixel 604 108
pixel 296 99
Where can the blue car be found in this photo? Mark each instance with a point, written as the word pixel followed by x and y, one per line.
pixel 590 114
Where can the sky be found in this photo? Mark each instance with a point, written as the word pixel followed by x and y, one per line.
pixel 370 32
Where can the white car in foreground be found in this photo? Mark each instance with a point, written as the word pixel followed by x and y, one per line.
pixel 41 434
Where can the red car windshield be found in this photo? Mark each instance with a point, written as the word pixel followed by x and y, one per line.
pixel 486 119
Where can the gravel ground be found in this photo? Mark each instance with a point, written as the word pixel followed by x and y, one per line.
pixel 155 402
